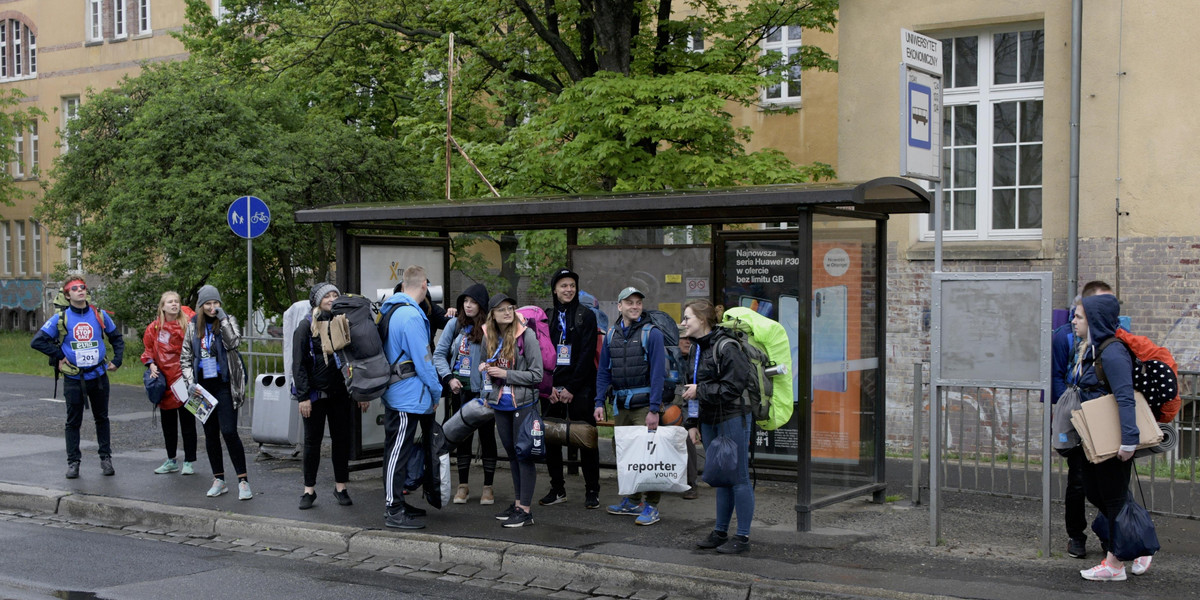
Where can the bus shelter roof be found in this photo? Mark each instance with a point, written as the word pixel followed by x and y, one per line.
pixel 757 204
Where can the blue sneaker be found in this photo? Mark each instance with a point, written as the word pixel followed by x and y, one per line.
pixel 626 507
pixel 218 488
pixel 649 516
pixel 170 466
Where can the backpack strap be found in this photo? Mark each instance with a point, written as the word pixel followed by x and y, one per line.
pixel 1096 362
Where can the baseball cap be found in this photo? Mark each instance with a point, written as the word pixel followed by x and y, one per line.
pixel 629 291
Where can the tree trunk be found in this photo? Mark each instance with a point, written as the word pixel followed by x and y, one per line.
pixel 615 24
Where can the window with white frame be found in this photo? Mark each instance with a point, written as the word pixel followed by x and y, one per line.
pixel 784 42
pixel 218 10
pixel 992 135
pixel 95 20
pixel 37 248
pixel 21 247
pixel 18 164
pixel 4 74
pixel 70 111
pixel 143 17
pixel 34 150
pixel 120 27
pixel 7 249
pixel 18 50
pixel 695 40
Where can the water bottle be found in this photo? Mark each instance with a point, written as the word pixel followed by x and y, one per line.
pixel 775 370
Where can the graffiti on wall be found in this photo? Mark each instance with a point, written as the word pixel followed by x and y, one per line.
pixel 24 294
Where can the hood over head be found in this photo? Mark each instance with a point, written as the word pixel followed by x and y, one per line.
pixel 478 293
pixel 1102 312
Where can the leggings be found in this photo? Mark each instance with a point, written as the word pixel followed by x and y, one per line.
pixel 176 421
pixel 339 411
pixel 222 423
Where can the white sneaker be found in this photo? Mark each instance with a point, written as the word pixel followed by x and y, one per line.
pixel 1141 564
pixel 1103 572
pixel 218 488
pixel 244 492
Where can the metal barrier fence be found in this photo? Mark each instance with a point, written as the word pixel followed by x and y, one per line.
pixel 992 444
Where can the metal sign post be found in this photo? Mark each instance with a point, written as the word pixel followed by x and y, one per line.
pixel 249 218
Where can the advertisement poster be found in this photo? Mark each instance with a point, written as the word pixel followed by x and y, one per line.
pixel 764 275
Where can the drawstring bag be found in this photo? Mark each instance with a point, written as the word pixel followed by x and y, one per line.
pixel 720 462
pixel 155 386
pixel 1132 532
pixel 1062 432
pixel 530 443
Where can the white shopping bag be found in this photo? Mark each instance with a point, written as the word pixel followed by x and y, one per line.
pixel 651 461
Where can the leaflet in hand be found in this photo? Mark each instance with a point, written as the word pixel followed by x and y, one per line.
pixel 179 388
pixel 201 403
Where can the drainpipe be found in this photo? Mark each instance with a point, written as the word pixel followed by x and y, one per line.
pixel 1073 185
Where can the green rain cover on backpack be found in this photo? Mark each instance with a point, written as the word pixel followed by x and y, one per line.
pixel 770 339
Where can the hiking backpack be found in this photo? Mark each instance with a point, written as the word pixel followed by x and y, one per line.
pixel 1155 374
pixel 765 343
pixel 670 331
pixel 60 308
pixel 357 333
pixel 535 319
pixel 591 303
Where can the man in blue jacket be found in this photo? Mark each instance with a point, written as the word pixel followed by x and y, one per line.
pixel 76 345
pixel 410 402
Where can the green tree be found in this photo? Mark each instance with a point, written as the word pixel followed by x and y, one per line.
pixel 155 163
pixel 15 119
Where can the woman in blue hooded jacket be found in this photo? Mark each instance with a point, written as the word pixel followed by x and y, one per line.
pixel 1106 484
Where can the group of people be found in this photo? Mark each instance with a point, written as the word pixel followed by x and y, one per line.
pixel 1094 319
pixel 487 354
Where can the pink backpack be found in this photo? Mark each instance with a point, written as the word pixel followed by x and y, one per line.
pixel 535 318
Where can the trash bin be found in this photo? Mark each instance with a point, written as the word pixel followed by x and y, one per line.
pixel 275 419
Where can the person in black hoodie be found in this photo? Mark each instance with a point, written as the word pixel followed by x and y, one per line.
pixel 573 332
pixel 1105 484
pixel 716 374
pixel 321 396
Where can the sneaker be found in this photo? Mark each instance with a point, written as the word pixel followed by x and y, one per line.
pixel 170 466
pixel 553 497
pixel 506 513
pixel 487 497
pixel 73 470
pixel 591 500
pixel 106 467
pixel 1141 564
pixel 187 469
pixel 626 507
pixel 1077 548
pixel 413 511
pixel 649 516
pixel 343 497
pixel 519 518
pixel 692 493
pixel 402 520
pixel 218 488
pixel 735 545
pixel 1103 572
pixel 715 538
pixel 460 497
pixel 306 500
pixel 244 492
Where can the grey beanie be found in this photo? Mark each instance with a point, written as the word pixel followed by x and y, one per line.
pixel 206 294
pixel 318 292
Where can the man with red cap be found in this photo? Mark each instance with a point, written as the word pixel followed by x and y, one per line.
pixel 73 339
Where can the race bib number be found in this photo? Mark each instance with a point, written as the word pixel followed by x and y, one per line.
pixel 564 355
pixel 87 354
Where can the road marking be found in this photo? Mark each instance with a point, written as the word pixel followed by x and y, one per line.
pixel 53 400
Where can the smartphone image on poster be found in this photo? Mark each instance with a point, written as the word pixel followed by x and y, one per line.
pixel 761 306
pixel 829 336
pixel 789 317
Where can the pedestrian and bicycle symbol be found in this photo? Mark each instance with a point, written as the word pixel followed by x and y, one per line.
pixel 248 217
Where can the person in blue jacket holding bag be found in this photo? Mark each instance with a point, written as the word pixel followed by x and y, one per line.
pixel 410 402
pixel 1106 484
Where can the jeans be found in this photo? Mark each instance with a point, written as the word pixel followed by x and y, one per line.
pixel 339 411
pixel 524 472
pixel 740 497
pixel 175 421
pixel 1107 487
pixel 580 409
pixel 96 392
pixel 222 423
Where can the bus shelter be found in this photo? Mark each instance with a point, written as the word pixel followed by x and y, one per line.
pixel 812 256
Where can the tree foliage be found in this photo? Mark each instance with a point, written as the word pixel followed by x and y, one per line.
pixel 15 119
pixel 155 163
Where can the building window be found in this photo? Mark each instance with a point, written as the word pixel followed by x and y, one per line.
pixel 7 249
pixel 785 43
pixel 119 27
pixel 32 52
pixel 95 20
pixel 695 41
pixel 18 50
pixel 37 248
pixel 992 136
pixel 70 111
pixel 21 247
pixel 18 164
pixel 144 17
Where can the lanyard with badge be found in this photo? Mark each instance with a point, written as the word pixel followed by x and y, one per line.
pixel 463 366
pixel 208 359
pixel 487 379
pixel 694 404
pixel 563 349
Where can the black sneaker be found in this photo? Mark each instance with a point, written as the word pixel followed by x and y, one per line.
pixel 73 470
pixel 306 500
pixel 736 545
pixel 1077 548
pixel 412 511
pixel 715 538
pixel 553 497
pixel 403 521
pixel 506 513
pixel 519 518
pixel 106 467
pixel 591 500
pixel 343 497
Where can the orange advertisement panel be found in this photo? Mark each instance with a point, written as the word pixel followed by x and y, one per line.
pixel 836 338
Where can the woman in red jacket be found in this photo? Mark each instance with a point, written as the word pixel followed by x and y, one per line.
pixel 163 341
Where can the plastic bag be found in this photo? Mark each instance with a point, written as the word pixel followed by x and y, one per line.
pixel 1133 534
pixel 437 467
pixel 721 462
pixel 1062 432
pixel 651 461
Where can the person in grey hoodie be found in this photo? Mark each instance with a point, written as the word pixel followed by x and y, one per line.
pixel 456 358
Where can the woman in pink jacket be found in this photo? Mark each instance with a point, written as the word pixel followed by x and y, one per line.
pixel 163 341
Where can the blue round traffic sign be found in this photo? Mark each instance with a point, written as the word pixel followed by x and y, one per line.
pixel 248 217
